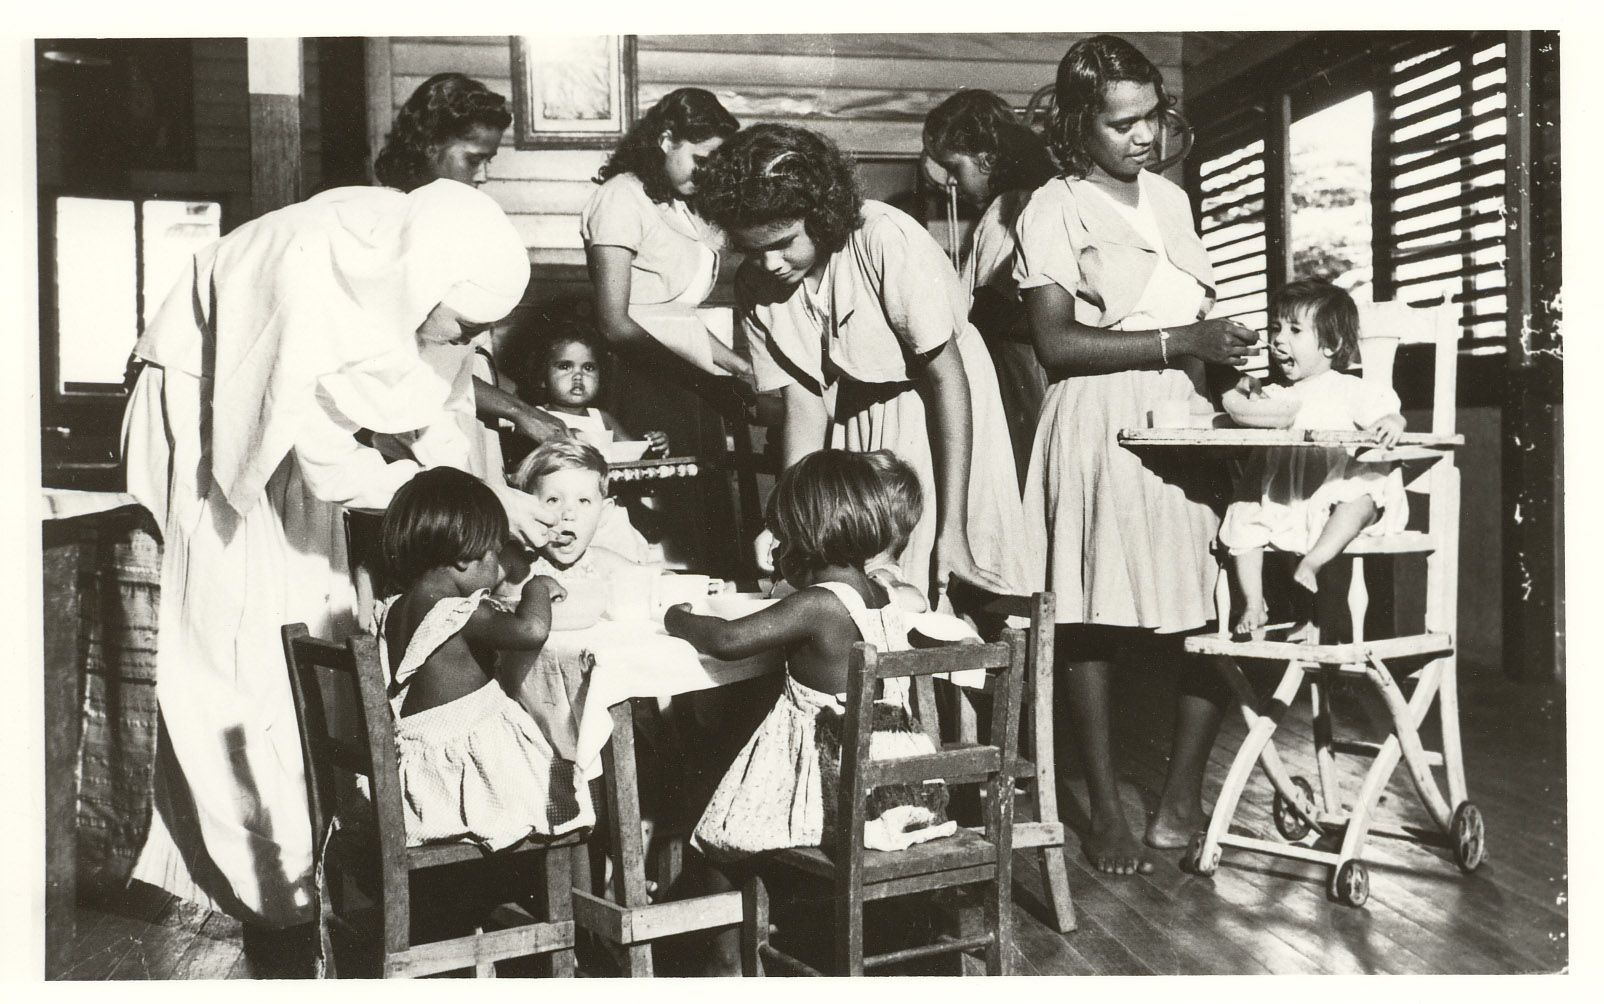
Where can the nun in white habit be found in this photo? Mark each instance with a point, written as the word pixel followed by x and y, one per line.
pixel 283 341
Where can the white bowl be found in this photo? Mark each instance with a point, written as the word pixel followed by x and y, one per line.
pixel 1275 412
pixel 732 606
pixel 582 607
pixel 625 451
pixel 942 627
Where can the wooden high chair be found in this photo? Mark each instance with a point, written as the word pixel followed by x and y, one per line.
pixel 1429 460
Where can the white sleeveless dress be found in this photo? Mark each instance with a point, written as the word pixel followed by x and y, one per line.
pixel 780 791
pixel 478 768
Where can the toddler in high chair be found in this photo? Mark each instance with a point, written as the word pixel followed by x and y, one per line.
pixel 569 374
pixel 1307 500
pixel 474 765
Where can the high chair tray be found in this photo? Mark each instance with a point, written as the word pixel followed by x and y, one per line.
pixel 1331 655
pixel 1278 437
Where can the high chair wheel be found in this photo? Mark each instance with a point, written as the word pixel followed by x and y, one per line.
pixel 1287 821
pixel 1469 836
pixel 1195 862
pixel 1351 884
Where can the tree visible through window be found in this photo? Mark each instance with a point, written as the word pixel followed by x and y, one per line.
pixel 1378 160
pixel 1330 187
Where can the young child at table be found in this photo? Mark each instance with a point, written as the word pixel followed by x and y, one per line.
pixel 831 512
pixel 568 374
pixel 907 501
pixel 474 765
pixel 592 538
pixel 1303 500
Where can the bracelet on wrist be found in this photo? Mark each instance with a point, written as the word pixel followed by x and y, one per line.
pixel 1164 345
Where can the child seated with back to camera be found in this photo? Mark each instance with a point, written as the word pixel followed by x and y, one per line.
pixel 568 375
pixel 474 765
pixel 1309 501
pixel 831 513
pixel 906 505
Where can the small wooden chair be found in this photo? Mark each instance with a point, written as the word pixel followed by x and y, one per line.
pixel 966 858
pixel 364 866
pixel 1036 824
pixel 1296 810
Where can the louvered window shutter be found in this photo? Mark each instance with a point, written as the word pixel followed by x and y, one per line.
pixel 1440 229
pixel 1232 212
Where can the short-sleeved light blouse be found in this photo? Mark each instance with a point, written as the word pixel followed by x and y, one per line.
pixel 1077 238
pixel 888 296
pixel 672 247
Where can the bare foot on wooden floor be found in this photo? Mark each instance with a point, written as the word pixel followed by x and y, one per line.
pixel 1114 850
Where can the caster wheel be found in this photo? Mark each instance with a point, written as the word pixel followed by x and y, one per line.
pixel 1287 821
pixel 1196 862
pixel 1351 884
pixel 1469 836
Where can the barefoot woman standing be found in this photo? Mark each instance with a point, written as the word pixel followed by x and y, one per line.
pixel 1115 279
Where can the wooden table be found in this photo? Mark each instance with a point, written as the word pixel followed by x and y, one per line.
pixel 583 688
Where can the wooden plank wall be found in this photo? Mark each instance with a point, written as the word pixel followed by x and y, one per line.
pixel 868 92
pixel 223 134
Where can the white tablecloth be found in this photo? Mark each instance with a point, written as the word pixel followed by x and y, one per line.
pixel 571 685
pixel 574 681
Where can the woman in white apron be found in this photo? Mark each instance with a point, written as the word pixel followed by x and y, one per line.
pixel 283 341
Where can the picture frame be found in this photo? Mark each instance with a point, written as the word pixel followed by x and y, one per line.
pixel 572 91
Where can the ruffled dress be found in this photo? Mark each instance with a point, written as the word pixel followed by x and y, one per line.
pixel 781 790
pixel 1285 494
pixel 477 768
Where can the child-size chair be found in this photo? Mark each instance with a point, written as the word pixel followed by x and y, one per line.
pixel 364 867
pixel 1429 459
pixel 966 858
pixel 1037 827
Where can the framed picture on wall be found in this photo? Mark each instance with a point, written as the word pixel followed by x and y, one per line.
pixel 572 91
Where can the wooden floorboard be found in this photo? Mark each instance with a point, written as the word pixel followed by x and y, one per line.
pixel 1256 914
pixel 218 945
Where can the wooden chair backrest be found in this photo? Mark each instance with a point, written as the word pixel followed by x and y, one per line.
pixel 860 773
pixel 347 731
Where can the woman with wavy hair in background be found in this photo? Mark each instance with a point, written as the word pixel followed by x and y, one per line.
pixel 996 161
pixel 451 127
pixel 653 261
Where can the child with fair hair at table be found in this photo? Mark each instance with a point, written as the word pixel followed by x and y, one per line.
pixel 569 478
pixel 568 375
pixel 1307 500
pixel 474 765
